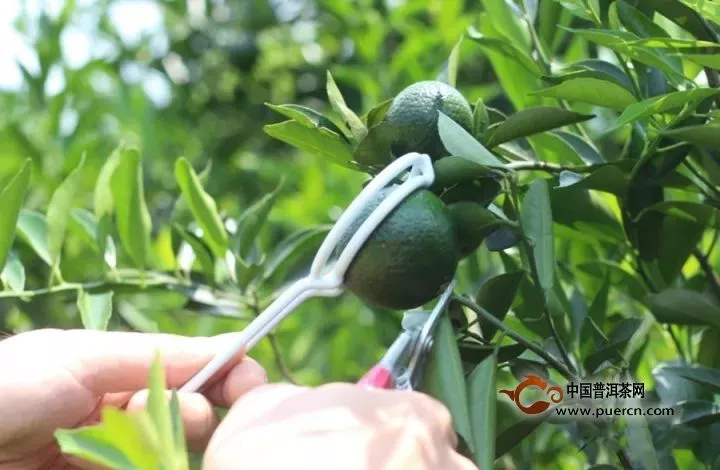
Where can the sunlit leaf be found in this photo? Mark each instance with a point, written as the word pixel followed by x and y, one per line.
pixel 32 229
pixel 95 309
pixel 203 207
pixel 58 213
pixel 663 104
pixel 461 144
pixel 320 142
pixel 357 128
pixel 131 212
pixel 450 69
pixel 252 220
pixel 13 274
pixel 11 201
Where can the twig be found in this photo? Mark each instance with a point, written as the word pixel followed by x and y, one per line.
pixel 537 349
pixel 552 167
pixel 678 345
pixel 709 272
pixel 130 282
pixel 277 352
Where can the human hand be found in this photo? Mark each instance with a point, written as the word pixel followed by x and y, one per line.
pixel 335 426
pixel 52 379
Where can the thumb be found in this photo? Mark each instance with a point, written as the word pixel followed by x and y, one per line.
pixel 109 362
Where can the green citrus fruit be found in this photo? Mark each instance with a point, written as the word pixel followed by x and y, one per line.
pixel 409 259
pixel 414 113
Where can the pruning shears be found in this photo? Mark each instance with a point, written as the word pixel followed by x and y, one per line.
pixel 402 366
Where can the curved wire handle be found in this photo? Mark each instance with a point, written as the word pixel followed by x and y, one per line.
pixel 327 280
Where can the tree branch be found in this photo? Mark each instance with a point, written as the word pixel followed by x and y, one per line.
pixel 709 273
pixel 537 349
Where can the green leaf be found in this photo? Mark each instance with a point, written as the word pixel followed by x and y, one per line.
pixel 305 116
pixel 95 309
pixel 201 252
pixel 507 49
pixel 699 413
pixel 450 68
pixel 320 142
pixel 13 274
pixel 684 307
pixel 593 68
pixel 565 148
pixel 58 213
pixel 203 207
pixel 357 128
pixel 472 223
pixel 702 375
pixel 482 393
pixel 678 240
pixel 515 434
pixel 640 444
pixel 592 91
pixel 178 432
pixel 706 8
pixel 158 407
pixel 637 22
pixel 694 212
pixel 621 279
pixel 376 115
pixel 624 43
pixel 293 249
pixel 707 135
pixel 11 201
pixel 674 43
pixel 496 295
pixel 92 444
pixel 461 144
pixel 103 197
pixel 664 104
pixel 122 441
pixel 532 121
pixel 536 217
pixel 445 380
pixel 706 60
pixel 607 178
pixel 132 215
pixel 375 149
pixel 481 119
pixel 587 213
pixel 32 229
pixel 252 221
pixel 85 220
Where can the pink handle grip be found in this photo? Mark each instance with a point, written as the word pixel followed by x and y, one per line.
pixel 377 377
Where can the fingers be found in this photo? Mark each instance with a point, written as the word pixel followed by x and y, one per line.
pixel 242 378
pixel 107 362
pixel 197 413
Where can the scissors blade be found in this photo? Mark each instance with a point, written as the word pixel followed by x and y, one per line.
pixel 422 345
